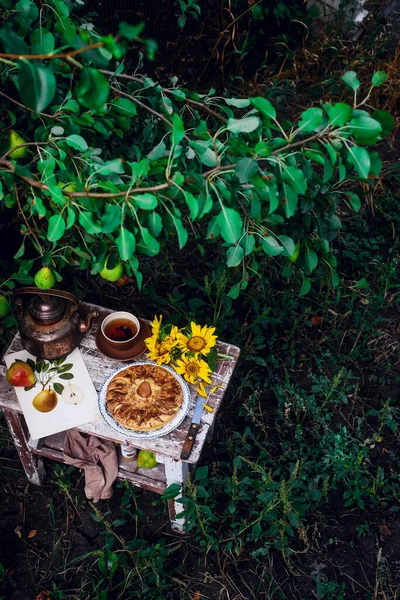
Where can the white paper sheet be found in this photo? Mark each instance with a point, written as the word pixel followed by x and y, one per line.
pixel 76 405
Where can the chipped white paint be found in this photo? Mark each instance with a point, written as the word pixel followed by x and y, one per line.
pixel 33 466
pixel 176 471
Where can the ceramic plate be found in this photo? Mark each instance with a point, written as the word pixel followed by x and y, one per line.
pixel 148 435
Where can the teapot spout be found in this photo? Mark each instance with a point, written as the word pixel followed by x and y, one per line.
pixel 85 326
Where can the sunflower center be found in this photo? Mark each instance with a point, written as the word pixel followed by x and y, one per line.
pixel 164 348
pixel 192 368
pixel 196 343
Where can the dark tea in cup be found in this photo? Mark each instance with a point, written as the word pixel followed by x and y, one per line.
pixel 121 330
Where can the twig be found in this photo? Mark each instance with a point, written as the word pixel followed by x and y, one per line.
pixel 140 190
pixel 10 150
pixel 27 107
pixel 53 56
pixel 26 220
pixel 139 103
pixel 170 92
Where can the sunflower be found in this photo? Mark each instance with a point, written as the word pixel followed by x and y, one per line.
pixel 199 341
pixel 160 350
pixel 193 369
pixel 156 326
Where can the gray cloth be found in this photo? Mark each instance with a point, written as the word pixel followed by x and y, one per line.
pixel 97 457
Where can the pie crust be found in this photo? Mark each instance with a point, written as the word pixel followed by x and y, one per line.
pixel 154 406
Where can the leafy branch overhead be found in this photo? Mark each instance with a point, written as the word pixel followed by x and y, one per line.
pixel 102 163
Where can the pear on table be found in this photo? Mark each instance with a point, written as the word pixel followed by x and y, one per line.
pixel 20 374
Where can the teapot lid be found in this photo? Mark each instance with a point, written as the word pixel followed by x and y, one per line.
pixel 47 309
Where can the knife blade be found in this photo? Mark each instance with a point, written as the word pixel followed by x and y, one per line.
pixel 193 429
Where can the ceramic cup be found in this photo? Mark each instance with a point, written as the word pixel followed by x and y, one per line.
pixel 120 316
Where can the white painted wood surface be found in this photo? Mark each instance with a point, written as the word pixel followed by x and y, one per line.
pixel 100 368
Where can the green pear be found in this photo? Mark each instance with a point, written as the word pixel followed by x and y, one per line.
pixel 112 274
pixel 4 307
pixel 20 374
pixel 44 278
pixel 67 187
pixel 17 140
pixel 293 257
pixel 146 460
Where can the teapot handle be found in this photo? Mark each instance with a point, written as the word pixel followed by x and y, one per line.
pixel 34 290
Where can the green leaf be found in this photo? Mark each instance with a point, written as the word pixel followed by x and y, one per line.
pixel 310 119
pixel 256 531
pixel 171 492
pixel 131 32
pixel 264 106
pixel 376 162
pixel 245 169
pixel 296 179
pixel 155 224
pixel 56 228
pixel 178 129
pixel 364 128
pixel 12 42
pixel 339 114
pixel 36 84
pixel 350 79
pixel 305 286
pixel 58 388
pixel 146 201
pixel 150 244
pixel 230 224
pixel 86 221
pixel 331 153
pixel 193 204
pixel 111 219
pixel 237 102
pixel 234 255
pixel 385 119
pixel 288 199
pixel 206 153
pixel 66 376
pixel 139 169
pixel 157 152
pixel 124 106
pixel 42 41
pixel 378 78
pixel 271 246
pixel 108 564
pixel 294 520
pixel 77 142
pixel 354 202
pixel 288 245
pixel 360 160
pixel 248 243
pixel 316 156
pixel 180 231
pixel 71 217
pixel 92 88
pixel 245 125
pixel 234 291
pixel 311 259
pixel 126 243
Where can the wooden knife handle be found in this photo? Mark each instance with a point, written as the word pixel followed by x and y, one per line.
pixel 189 441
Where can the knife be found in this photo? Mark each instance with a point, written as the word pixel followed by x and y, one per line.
pixel 193 429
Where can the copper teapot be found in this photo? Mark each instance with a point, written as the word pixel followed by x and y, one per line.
pixel 50 324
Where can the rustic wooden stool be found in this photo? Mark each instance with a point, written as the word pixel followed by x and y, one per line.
pixel 171 469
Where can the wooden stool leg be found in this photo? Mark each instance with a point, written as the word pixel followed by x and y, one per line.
pixel 33 465
pixel 176 471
